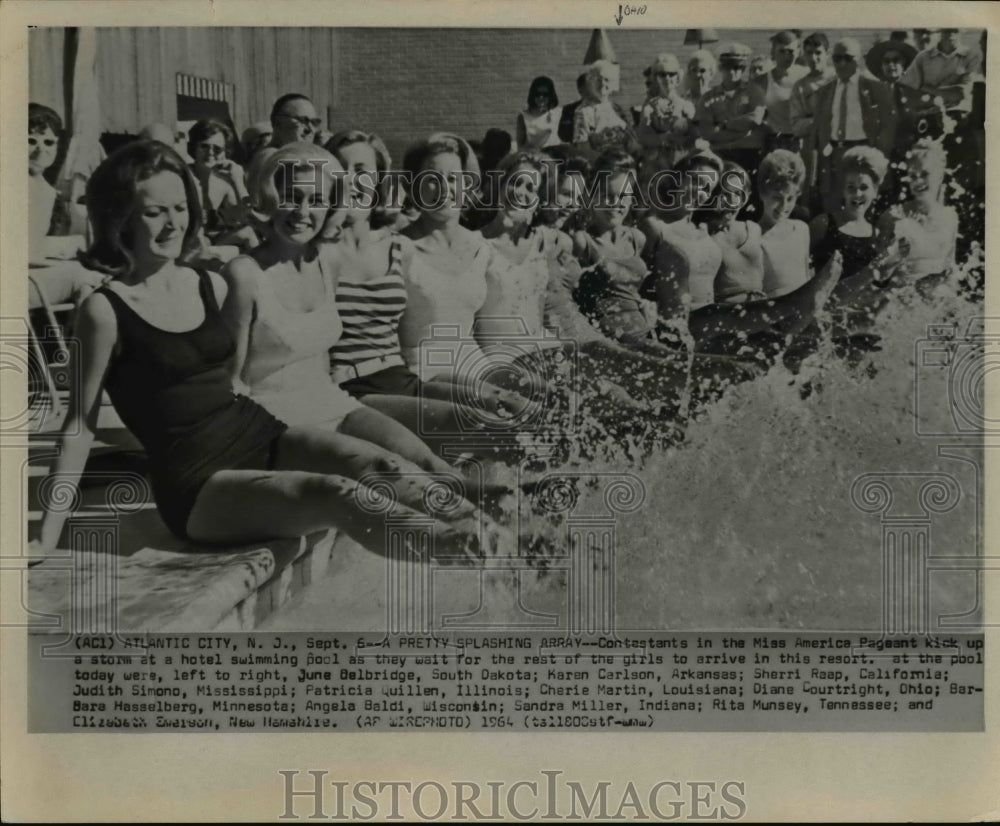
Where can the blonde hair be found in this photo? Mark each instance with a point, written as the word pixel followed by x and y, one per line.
pixel 931 151
pixel 268 186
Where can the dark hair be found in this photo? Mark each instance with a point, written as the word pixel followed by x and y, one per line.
pixel 614 160
pixel 816 39
pixel 496 146
pixel 440 143
pixel 41 118
pixel 581 81
pixel 543 83
pixel 723 197
pixel 204 129
pixel 110 197
pixel 784 38
pixel 780 169
pixel 280 103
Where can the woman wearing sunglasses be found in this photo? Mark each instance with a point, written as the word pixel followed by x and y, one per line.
pixel 538 124
pixel 665 118
pixel 221 184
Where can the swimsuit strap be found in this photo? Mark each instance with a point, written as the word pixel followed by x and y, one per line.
pixel 395 256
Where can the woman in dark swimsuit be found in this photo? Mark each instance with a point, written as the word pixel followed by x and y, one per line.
pixel 223 469
pixel 859 294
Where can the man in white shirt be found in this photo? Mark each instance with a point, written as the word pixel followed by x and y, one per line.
pixel 802 106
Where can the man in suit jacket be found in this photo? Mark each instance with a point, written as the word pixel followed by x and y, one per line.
pixel 565 128
pixel 852 109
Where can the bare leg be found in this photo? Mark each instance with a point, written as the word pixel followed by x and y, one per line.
pixel 323 451
pixel 497 401
pixel 784 316
pixel 239 506
pixel 442 423
pixel 376 427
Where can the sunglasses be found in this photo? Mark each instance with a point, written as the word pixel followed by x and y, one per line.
pixel 843 58
pixel 732 65
pixel 302 120
pixel 48 143
pixel 211 148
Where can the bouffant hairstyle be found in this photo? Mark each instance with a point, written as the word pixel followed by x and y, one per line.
pixel 779 170
pixel 111 196
pixel 278 172
pixel 864 160
pixel 385 206
pixel 439 143
pixel 930 152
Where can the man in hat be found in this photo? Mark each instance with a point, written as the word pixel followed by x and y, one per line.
pixel 888 60
pixel 852 110
pixel 731 116
pixel 778 84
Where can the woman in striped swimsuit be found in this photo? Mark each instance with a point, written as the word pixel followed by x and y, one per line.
pixel 371 267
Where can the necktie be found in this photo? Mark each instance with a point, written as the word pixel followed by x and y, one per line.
pixel 842 123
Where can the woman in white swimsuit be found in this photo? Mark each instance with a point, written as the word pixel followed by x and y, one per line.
pixel 282 308
pixel 446 282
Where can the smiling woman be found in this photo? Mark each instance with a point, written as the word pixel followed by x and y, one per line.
pixel 223 469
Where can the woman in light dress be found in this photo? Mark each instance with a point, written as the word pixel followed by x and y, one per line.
pixel 538 124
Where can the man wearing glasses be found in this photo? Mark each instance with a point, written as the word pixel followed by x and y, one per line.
pixel 852 110
pixel 293 118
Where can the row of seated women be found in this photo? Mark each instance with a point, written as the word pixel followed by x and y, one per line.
pixel 310 384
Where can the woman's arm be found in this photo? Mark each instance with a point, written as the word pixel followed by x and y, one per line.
pixel 241 276
pixel 670 284
pixel 581 129
pixel 520 131
pixel 96 330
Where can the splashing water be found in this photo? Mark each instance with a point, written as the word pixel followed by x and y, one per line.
pixel 749 522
